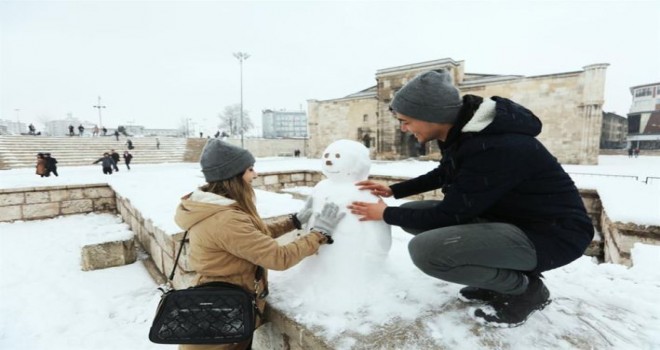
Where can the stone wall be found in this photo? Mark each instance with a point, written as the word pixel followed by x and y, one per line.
pixel 619 239
pixel 48 202
pixel 348 118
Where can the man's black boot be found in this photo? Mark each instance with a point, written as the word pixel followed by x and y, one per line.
pixel 476 295
pixel 508 310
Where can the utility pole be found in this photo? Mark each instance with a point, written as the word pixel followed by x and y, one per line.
pixel 99 106
pixel 241 56
pixel 18 120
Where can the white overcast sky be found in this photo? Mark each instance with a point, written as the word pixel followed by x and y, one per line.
pixel 156 63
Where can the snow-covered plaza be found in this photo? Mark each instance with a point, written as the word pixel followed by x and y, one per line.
pixel 47 302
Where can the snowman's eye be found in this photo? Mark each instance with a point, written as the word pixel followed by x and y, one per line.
pixel 337 155
pixel 326 155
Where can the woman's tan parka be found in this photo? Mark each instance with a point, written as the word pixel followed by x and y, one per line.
pixel 226 245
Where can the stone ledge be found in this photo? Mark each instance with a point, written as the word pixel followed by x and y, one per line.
pixel 50 188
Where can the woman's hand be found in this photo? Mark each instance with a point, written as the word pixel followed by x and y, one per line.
pixel 302 217
pixel 368 211
pixel 375 188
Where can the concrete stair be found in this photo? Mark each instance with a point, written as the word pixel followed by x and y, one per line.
pixel 21 151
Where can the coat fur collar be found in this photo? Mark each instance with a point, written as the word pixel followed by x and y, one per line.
pixel 211 198
pixel 482 117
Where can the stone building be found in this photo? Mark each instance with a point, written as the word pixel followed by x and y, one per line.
pixel 613 131
pixel 644 117
pixel 569 105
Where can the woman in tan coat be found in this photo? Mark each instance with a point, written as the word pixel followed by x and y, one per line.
pixel 228 239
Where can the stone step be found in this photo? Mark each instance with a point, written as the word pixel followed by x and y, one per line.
pixel 20 151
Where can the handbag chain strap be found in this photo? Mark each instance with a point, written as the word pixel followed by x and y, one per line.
pixel 258 275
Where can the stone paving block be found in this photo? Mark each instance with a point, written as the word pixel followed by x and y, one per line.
pixel 108 254
pixel 271 179
pixel 77 206
pixel 12 198
pixel 59 195
pixel 105 204
pixel 10 213
pixel 40 210
pixel 76 193
pixel 37 197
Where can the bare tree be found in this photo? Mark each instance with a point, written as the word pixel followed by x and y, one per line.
pixel 230 120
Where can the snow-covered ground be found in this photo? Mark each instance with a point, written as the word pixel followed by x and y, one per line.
pixel 47 302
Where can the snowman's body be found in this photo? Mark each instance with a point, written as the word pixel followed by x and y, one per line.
pixel 358 245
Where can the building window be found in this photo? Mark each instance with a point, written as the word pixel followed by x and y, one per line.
pixel 647 91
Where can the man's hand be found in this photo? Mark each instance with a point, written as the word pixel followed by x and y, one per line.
pixel 375 188
pixel 368 211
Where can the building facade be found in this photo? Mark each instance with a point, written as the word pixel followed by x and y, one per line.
pixel 569 105
pixel 284 124
pixel 9 127
pixel 614 131
pixel 644 117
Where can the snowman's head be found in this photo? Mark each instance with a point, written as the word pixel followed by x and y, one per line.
pixel 346 161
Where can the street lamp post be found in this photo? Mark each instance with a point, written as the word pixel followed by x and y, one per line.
pixel 18 120
pixel 241 56
pixel 99 106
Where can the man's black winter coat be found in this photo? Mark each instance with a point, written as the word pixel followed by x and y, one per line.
pixel 502 173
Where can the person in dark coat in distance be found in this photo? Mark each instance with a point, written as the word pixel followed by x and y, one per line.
pixel 81 129
pixel 115 158
pixel 70 130
pixel 117 135
pixel 509 210
pixel 51 164
pixel 107 163
pixel 105 131
pixel 127 159
pixel 42 170
pixel 129 144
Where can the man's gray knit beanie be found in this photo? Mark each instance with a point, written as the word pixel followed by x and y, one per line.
pixel 221 160
pixel 430 97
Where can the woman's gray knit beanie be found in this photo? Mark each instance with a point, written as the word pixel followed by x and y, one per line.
pixel 221 160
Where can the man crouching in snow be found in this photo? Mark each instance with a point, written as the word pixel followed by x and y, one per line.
pixel 509 210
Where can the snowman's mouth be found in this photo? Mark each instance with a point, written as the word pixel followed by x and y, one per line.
pixel 333 172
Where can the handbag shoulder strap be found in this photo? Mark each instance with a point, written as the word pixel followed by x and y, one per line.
pixel 258 275
pixel 176 261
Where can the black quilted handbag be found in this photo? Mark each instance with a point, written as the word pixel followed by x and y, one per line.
pixel 211 313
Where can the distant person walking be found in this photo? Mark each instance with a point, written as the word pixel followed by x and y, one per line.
pixel 51 164
pixel 630 152
pixel 41 165
pixel 81 130
pixel 129 144
pixel 157 143
pixel 115 157
pixel 127 159
pixel 636 152
pixel 105 131
pixel 95 131
pixel 31 129
pixel 117 135
pixel 107 163
pixel 70 130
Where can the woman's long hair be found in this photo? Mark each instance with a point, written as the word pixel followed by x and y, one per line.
pixel 237 189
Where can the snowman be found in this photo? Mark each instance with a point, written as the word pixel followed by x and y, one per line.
pixel 345 162
pixel 350 268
